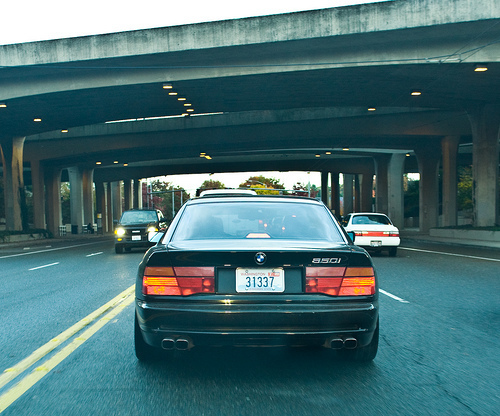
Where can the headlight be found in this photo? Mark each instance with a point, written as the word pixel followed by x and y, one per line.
pixel 152 229
pixel 120 231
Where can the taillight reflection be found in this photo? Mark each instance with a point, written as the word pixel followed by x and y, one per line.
pixel 178 281
pixel 341 281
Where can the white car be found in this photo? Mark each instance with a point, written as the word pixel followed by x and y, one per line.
pixel 373 231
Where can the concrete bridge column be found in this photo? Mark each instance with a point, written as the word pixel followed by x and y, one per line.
pixel 109 208
pixel 76 199
pixel 116 199
pixel 382 183
pixel 357 194
pixel 324 187
pixel 449 147
pixel 14 196
pixel 127 194
pixel 348 194
pixel 366 190
pixel 53 189
pixel 396 190
pixel 38 183
pixel 428 163
pixel 335 190
pixel 100 203
pixel 485 124
pixel 88 196
pixel 137 194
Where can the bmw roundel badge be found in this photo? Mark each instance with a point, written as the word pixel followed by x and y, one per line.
pixel 260 258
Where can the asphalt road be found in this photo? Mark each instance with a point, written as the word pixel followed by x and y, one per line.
pixel 439 350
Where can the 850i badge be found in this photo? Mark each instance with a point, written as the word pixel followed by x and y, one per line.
pixel 326 260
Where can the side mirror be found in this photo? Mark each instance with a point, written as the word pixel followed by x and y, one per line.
pixel 351 235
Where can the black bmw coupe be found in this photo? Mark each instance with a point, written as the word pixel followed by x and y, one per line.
pixel 256 271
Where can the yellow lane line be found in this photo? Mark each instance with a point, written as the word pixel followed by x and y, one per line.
pixel 10 373
pixel 38 373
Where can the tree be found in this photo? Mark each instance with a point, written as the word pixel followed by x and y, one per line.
pixel 263 185
pixel 464 188
pixel 161 195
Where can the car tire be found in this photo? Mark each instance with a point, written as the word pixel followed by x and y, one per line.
pixel 367 353
pixel 393 251
pixel 143 351
pixel 118 249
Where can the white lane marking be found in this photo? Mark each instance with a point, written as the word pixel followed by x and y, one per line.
pixel 94 254
pixel 449 254
pixel 46 251
pixel 45 265
pixel 393 296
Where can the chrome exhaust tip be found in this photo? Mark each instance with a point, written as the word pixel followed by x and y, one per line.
pixel 350 343
pixel 168 344
pixel 182 344
pixel 337 344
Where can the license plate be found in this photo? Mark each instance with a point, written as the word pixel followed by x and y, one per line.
pixel 376 243
pixel 260 280
pixel 136 238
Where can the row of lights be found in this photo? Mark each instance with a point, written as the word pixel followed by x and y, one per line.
pixel 345 149
pixel 115 162
pixel 183 100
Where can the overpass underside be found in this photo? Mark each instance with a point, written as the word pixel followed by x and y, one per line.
pixel 286 92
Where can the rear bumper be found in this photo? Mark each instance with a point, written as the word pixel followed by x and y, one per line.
pixel 232 322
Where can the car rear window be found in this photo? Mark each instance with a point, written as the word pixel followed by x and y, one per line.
pixel 370 219
pixel 237 220
pixel 138 217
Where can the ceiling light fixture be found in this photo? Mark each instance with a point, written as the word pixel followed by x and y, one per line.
pixel 3 105
pixel 317 155
pixel 480 68
pixel 328 153
pixel 208 157
pixel 115 162
pixel 187 105
pixel 98 163
pixel 167 86
pixel 181 99
pixel 407 155
pixel 37 120
pixel 190 110
pixel 416 93
pixel 172 93
pixel 372 109
pixel 64 130
pixel 345 149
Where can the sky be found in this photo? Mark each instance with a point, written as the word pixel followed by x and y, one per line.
pixel 34 20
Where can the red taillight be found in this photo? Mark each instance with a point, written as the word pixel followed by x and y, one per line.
pixel 341 281
pixel 376 233
pixel 178 281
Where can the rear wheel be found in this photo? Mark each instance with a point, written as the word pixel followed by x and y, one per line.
pixel 365 354
pixel 143 351
pixel 393 251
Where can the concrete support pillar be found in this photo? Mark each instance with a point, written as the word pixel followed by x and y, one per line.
pixel 449 147
pixel 76 199
pixel 366 191
pixel 88 196
pixel 357 194
pixel 53 189
pixel 137 194
pixel 348 194
pixel 396 189
pixel 38 184
pixel 14 194
pixel 109 208
pixel 428 163
pixel 116 199
pixel 382 183
pixel 485 124
pixel 324 187
pixel 100 203
pixel 127 194
pixel 335 191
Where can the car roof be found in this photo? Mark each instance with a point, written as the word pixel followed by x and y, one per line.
pixel 256 198
pixel 222 192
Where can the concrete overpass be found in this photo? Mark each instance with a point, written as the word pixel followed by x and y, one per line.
pixel 266 93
